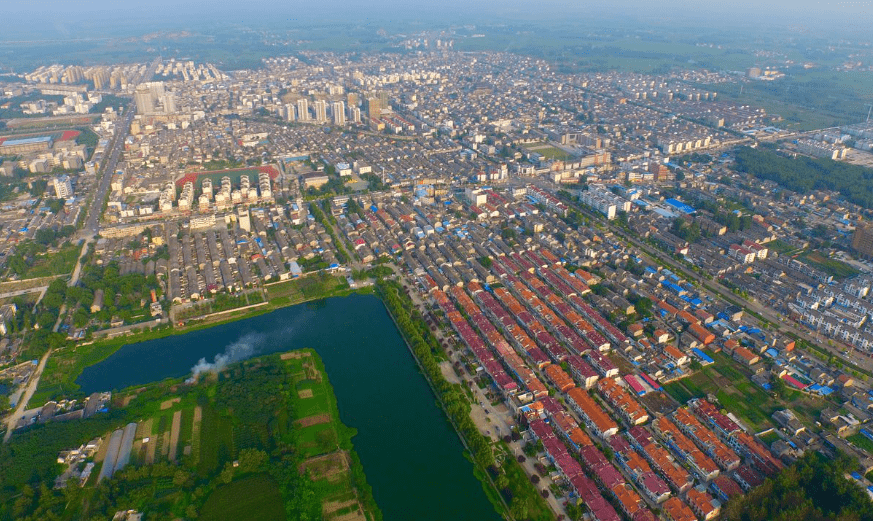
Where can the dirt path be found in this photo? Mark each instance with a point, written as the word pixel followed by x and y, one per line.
pixel 449 372
pixel 174 435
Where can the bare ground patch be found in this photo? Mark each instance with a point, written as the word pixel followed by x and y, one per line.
pixel 329 508
pixel 305 393
pixel 174 434
pixel 327 466
pixel 170 402
pixel 318 419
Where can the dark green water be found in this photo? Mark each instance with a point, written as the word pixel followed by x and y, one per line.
pixel 412 456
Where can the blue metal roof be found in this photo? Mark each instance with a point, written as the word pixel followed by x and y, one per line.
pixel 680 206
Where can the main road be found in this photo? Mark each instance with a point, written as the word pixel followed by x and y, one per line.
pixel 92 225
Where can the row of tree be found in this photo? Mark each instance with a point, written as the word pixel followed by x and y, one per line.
pixel 452 396
pixel 803 174
pixel 814 488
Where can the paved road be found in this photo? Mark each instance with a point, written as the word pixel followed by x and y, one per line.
pixel 20 409
pixel 91 228
pixel 122 128
pixel 12 294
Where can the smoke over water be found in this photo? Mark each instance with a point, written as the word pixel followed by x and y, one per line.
pixel 244 348
pixel 239 350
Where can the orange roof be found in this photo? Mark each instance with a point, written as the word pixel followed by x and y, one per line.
pixel 579 437
pixel 674 353
pixel 593 411
pixel 537 388
pixel 559 378
pixel 746 355
pixel 722 453
pixel 587 277
pixel 474 286
pixel 702 334
pixel 678 511
pixel 627 498
pixel 622 400
pixel 687 446
pixel 673 472
pixel 636 462
pixel 700 500
pixel 687 316
pixel 667 307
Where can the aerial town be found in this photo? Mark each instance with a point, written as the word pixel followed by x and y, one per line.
pixel 651 322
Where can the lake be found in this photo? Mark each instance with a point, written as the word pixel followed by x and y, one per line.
pixel 410 452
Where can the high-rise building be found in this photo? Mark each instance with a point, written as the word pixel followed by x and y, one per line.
pixel 303 110
pixel 289 112
pixel 63 186
pixel 144 102
pixel 862 240
pixel 374 107
pixel 320 107
pixel 339 113
pixel 352 99
pixel 355 115
pixel 169 102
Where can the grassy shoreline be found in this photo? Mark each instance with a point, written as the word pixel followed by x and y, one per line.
pixel 66 364
pixel 244 447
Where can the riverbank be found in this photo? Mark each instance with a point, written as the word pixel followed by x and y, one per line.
pixel 264 440
pixel 67 363
pixel 519 499
pixel 410 452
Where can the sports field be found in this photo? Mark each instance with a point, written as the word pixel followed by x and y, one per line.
pixel 56 136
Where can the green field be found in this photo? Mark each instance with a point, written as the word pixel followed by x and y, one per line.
pixel 549 151
pixel 269 445
pixel 770 438
pixel 836 268
pixel 861 441
pixel 316 286
pixel 782 247
pixel 728 381
pixel 255 498
pixel 324 443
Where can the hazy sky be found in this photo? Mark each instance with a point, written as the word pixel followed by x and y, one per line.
pixel 68 19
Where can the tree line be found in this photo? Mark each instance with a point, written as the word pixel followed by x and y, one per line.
pixel 813 489
pixel 803 175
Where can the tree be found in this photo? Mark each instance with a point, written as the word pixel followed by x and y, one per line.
pixel 520 508
pixel 502 481
pixel 813 488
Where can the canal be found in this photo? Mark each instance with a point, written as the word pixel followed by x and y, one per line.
pixel 411 454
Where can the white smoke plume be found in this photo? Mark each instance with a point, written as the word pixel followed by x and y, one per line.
pixel 244 348
pixel 241 349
